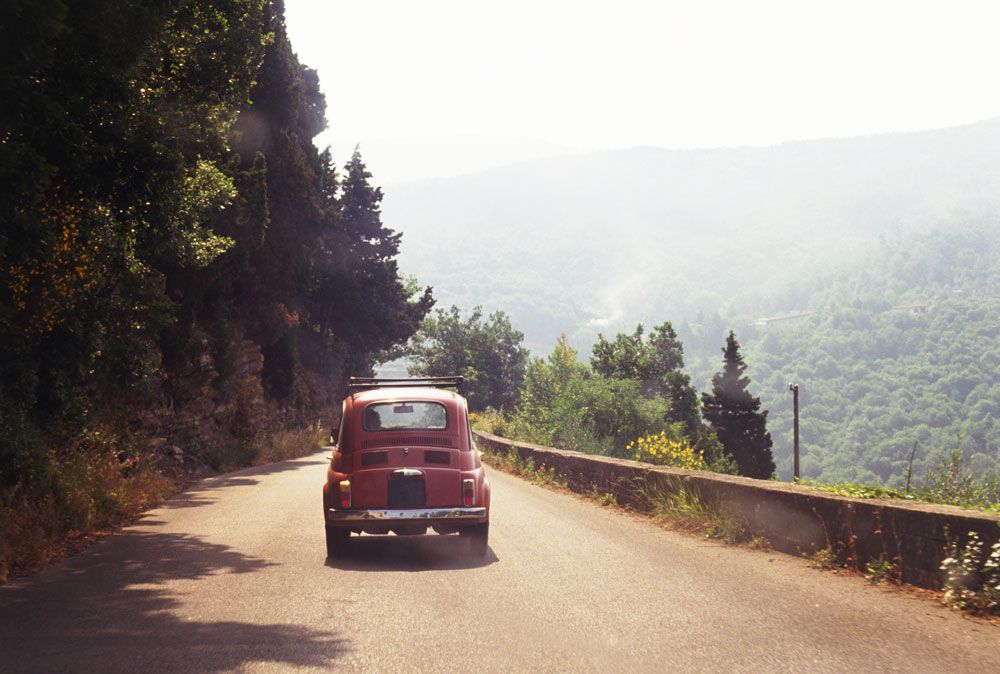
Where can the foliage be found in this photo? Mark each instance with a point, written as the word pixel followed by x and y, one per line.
pixel 511 462
pixel 163 200
pixel 489 420
pixel 735 416
pixel 681 505
pixel 856 490
pixel 657 363
pixel 972 579
pixel 487 353
pixel 664 450
pixel 565 405
pixel 360 299
pixel 950 481
pixel 881 570
pixel 875 380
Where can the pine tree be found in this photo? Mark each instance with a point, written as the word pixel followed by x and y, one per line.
pixel 736 417
pixel 365 303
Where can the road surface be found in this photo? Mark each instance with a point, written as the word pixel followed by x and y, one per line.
pixel 231 575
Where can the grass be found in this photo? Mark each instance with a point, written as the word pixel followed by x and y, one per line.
pixel 669 502
pixel 86 494
pixel 856 490
pixel 285 445
pixel 101 482
pixel 682 506
pixel 602 498
pixel 511 462
pixel 825 559
pixel 922 495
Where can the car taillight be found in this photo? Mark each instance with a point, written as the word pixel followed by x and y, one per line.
pixel 345 493
pixel 468 492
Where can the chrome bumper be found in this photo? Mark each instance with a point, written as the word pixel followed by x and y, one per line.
pixel 411 514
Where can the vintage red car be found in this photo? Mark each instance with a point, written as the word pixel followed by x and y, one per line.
pixel 405 462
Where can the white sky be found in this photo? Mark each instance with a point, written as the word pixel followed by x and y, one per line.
pixel 619 73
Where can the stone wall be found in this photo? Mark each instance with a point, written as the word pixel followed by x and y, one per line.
pixel 794 519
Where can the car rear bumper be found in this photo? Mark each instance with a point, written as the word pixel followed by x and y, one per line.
pixel 470 515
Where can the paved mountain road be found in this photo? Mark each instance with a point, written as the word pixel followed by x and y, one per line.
pixel 231 576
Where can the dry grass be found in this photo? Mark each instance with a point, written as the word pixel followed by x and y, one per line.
pixel 87 496
pixel 285 445
pixel 102 483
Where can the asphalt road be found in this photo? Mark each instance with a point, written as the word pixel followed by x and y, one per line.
pixel 231 575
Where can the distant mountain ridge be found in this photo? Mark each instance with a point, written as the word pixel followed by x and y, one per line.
pixel 596 242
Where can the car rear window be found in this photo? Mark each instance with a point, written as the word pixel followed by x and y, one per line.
pixel 405 416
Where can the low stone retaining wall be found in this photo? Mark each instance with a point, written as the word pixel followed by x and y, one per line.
pixel 793 518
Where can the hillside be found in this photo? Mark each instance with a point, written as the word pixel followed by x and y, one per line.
pixel 593 243
pixel 902 348
pixel 846 230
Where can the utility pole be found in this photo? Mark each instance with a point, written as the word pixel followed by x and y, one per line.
pixel 794 388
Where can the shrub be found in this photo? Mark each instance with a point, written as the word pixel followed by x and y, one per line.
pixel 949 481
pixel 93 483
pixel 663 450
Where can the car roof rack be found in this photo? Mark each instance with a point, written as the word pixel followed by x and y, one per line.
pixel 368 383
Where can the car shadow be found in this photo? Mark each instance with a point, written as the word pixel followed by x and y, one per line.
pixel 409 553
pixel 111 609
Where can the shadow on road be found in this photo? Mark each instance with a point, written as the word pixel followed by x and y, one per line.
pixel 197 494
pixel 409 553
pixel 107 609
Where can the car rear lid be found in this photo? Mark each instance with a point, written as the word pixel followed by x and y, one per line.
pixel 407 476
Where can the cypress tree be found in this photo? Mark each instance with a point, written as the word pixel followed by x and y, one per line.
pixel 736 417
pixel 363 300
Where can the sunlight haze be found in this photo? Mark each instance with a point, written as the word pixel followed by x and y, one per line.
pixel 590 76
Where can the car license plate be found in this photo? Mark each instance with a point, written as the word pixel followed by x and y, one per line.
pixel 406 493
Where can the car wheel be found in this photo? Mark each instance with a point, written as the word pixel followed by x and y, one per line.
pixel 479 539
pixel 336 541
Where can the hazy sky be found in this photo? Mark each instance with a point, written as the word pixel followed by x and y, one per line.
pixel 675 74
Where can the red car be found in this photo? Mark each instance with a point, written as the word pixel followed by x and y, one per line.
pixel 405 462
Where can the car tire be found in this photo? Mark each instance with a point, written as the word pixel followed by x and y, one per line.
pixel 336 541
pixel 479 539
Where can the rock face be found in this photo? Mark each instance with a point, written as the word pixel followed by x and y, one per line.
pixel 210 404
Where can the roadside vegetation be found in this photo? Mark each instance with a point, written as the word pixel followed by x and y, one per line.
pixel 633 400
pixel 971 573
pixel 949 482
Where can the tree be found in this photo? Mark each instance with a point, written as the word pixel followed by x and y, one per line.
pixel 657 362
pixel 735 416
pixel 487 353
pixel 564 404
pixel 361 297
pixel 313 278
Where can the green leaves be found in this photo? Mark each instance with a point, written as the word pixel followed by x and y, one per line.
pixel 201 194
pixel 487 352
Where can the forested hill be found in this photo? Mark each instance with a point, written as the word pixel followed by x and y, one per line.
pixel 592 243
pixel 846 232
pixel 900 356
